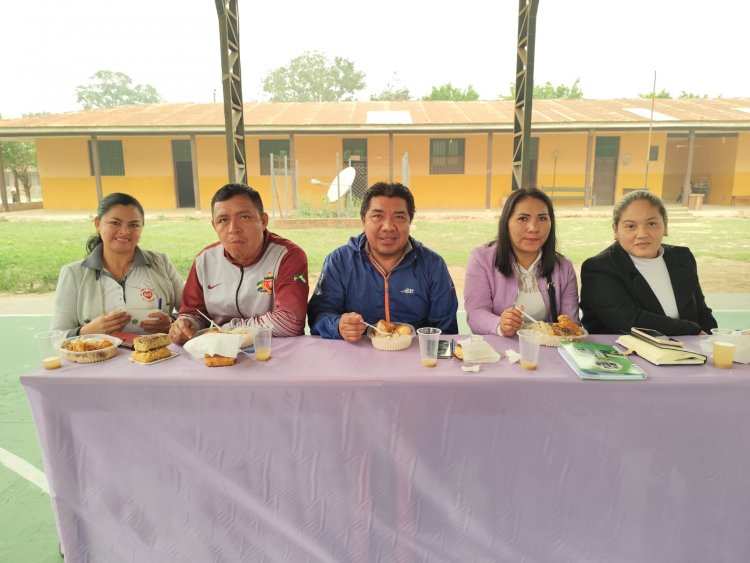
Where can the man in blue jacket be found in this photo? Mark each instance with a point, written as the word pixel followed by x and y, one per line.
pixel 383 274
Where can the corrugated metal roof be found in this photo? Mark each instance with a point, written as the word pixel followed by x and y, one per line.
pixel 724 113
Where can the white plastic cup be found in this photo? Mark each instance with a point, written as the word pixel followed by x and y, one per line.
pixel 725 342
pixel 528 343
pixel 48 344
pixel 429 338
pixel 262 342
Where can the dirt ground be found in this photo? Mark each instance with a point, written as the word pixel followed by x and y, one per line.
pixel 723 276
pixel 716 275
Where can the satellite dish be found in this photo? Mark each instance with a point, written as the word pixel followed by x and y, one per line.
pixel 341 184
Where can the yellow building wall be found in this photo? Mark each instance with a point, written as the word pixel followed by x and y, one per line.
pixel 316 160
pixel 67 183
pixel 149 174
pixel 674 169
pixel 502 168
pixel 211 158
pixel 446 191
pixel 562 163
pixel 741 185
pixel 714 161
pixel 64 173
pixel 633 162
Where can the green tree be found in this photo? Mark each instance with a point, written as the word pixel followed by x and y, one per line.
pixel 661 95
pixel 312 77
pixel 451 93
pixel 690 96
pixel 20 158
pixel 392 94
pixel 108 89
pixel 548 91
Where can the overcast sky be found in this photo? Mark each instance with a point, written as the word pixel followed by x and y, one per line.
pixel 49 47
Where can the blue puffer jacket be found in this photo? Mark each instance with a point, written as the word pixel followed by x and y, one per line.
pixel 419 291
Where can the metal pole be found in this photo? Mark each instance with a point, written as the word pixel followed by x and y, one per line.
pixel 231 79
pixel 295 166
pixel 555 155
pixel 97 167
pixel 588 198
pixel 3 186
pixel 524 91
pixel 688 168
pixel 390 157
pixel 650 126
pixel 488 188
pixel 286 182
pixel 338 187
pixel 273 185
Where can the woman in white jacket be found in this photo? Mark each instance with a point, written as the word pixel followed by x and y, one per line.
pixel 118 286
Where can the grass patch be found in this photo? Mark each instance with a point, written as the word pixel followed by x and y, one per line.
pixel 32 253
pixel 349 207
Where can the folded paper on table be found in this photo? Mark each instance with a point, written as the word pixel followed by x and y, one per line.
pixel 513 356
pixel 599 361
pixel 658 355
pixel 476 349
pixel 214 344
pixel 137 316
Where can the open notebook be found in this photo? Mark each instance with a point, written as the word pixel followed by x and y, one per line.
pixel 599 361
pixel 658 355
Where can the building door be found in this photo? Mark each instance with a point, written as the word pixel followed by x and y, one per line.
pixel 605 170
pixel 355 155
pixel 183 173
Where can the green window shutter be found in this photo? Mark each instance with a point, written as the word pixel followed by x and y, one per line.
pixel 111 160
pixel 268 147
pixel 607 146
pixel 447 156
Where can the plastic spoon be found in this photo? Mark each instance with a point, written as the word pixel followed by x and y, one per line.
pixel 525 314
pixel 376 329
pixel 208 319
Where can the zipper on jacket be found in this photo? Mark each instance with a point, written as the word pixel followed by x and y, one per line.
pixel 386 277
pixel 386 300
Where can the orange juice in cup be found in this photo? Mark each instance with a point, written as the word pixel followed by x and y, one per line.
pixel 262 343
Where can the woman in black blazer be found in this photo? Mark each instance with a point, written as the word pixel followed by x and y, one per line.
pixel 638 281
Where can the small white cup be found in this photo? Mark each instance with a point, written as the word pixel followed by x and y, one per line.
pixel 262 342
pixel 48 343
pixel 429 338
pixel 528 343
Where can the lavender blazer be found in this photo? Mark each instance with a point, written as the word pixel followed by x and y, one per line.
pixel 487 292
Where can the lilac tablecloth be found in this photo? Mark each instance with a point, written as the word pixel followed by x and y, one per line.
pixel 339 452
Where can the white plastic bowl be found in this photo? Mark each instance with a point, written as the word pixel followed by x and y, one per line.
pixel 392 343
pixel 92 356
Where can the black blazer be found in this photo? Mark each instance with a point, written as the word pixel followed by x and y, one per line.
pixel 616 297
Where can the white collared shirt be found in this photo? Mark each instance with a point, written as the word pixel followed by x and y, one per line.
pixel 528 290
pixel 654 271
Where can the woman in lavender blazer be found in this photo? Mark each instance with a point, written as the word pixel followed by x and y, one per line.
pixel 520 270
